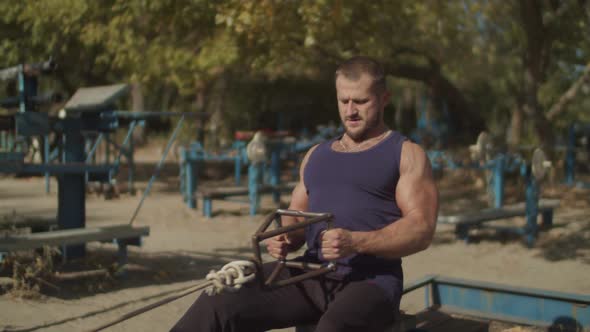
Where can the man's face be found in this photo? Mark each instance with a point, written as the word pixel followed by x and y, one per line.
pixel 360 108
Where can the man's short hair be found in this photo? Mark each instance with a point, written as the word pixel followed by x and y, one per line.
pixel 355 67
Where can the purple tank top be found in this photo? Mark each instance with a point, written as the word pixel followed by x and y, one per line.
pixel 358 188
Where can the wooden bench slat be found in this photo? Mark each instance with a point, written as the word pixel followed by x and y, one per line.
pixel 507 211
pixel 71 236
pixel 237 191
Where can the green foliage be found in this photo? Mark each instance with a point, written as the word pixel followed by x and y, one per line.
pixel 286 51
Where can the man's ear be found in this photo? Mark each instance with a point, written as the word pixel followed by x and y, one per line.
pixel 385 97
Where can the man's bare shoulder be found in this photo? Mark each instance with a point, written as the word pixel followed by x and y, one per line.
pixel 307 155
pixel 413 156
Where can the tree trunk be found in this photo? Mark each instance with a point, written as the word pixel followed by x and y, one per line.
pixel 535 61
pixel 405 115
pixel 137 105
pixel 200 107
pixel 514 133
pixel 217 131
pixel 561 105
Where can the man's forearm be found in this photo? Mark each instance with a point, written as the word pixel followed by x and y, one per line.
pixel 295 238
pixel 404 237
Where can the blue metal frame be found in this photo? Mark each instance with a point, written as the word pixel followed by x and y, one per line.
pixel 437 128
pixel 256 173
pixel 505 303
pixel 195 155
pixel 264 173
pixel 498 166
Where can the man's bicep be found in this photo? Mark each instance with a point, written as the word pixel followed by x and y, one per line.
pixel 299 197
pixel 416 193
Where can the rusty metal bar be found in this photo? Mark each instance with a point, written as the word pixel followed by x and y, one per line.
pixel 262 234
pixel 269 219
pixel 286 229
pixel 275 273
pixel 296 213
pixel 303 265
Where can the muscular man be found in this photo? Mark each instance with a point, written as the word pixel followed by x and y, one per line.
pixel 379 187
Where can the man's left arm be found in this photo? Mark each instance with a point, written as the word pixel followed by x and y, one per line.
pixel 417 197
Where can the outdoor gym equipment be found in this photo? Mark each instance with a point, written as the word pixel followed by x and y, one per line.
pixel 71 170
pixel 263 172
pixel 258 152
pixel 484 158
pixel 194 156
pixel 533 172
pixel 89 113
pixel 27 101
pixel 27 83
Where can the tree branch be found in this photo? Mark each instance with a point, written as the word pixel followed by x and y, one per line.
pixel 434 64
pixel 559 9
pixel 561 105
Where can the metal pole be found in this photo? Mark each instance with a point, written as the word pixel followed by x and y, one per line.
pixel 46 161
pixel 275 172
pixel 71 209
pixel 157 170
pixel 254 174
pixel 532 208
pixel 499 167
pixel 21 89
pixel 570 156
pixel 131 163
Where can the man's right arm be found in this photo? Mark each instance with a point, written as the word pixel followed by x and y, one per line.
pixel 280 245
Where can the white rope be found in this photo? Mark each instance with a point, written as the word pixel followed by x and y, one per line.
pixel 231 277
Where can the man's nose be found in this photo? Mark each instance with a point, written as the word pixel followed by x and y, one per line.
pixel 350 108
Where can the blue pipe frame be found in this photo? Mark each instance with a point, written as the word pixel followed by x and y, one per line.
pixel 491 301
pixel 498 166
pixel 268 172
pixel 193 157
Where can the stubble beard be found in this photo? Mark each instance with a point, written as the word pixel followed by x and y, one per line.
pixel 361 135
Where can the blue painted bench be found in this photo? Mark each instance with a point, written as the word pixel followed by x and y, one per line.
pixel 475 219
pixel 210 194
pixel 122 235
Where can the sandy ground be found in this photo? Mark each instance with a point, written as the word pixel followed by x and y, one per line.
pixel 183 246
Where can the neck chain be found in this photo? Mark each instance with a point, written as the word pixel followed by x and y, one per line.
pixel 362 144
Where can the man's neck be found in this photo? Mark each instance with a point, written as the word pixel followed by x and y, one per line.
pixel 373 135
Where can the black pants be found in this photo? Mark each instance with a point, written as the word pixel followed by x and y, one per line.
pixel 333 304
